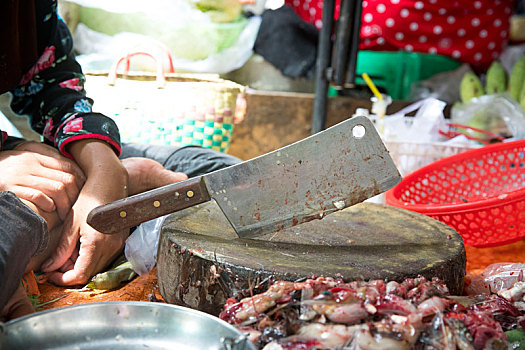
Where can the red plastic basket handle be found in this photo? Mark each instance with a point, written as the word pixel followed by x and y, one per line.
pixel 491 137
pixel 167 51
pixel 112 76
pixel 161 75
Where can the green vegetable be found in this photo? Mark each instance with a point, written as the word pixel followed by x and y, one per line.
pixel 522 98
pixel 220 11
pixel 517 78
pixel 470 87
pixel 517 335
pixel 496 78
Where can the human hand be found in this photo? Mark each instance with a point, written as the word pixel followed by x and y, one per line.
pixel 96 249
pixel 83 251
pixel 145 174
pixel 39 174
pixel 18 305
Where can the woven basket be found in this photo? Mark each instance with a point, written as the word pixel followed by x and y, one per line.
pixel 167 108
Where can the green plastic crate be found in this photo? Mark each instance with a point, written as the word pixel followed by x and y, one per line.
pixel 396 71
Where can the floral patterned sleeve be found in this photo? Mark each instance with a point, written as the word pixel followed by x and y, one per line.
pixel 52 92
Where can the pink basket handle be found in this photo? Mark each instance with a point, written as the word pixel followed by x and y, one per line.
pixel 112 76
pixel 167 51
pixel 454 130
pixel 161 75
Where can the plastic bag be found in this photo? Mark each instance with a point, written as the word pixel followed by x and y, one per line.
pixel 223 9
pixel 423 127
pixel 414 142
pixel 497 278
pixel 141 245
pixel 98 51
pixel 443 86
pixel 215 39
pixel 497 113
pixel 228 59
pixel 511 55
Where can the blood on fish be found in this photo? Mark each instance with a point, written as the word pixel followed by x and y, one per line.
pixel 372 314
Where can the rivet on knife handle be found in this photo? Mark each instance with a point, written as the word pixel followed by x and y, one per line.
pixel 128 212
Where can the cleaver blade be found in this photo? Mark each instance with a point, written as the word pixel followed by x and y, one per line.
pixel 309 179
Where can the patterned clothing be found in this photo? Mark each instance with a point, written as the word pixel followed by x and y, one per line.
pixel 473 32
pixel 51 92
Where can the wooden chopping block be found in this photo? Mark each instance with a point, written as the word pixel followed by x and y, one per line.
pixel 201 261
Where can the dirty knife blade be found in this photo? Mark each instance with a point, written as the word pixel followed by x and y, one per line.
pixel 309 179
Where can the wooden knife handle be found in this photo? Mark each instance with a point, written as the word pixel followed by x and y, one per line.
pixel 131 211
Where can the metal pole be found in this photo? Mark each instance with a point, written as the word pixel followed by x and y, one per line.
pixel 354 41
pixel 342 41
pixel 324 55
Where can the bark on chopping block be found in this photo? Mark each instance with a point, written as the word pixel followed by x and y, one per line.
pixel 201 261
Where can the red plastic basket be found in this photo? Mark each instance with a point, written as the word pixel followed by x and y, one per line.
pixel 480 193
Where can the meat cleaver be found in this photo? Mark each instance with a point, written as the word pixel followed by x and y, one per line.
pixel 309 179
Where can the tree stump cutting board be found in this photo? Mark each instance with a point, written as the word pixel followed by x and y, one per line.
pixel 201 261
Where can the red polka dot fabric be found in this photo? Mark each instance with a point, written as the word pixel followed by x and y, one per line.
pixel 311 10
pixel 474 32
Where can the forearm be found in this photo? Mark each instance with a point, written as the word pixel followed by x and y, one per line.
pixel 23 234
pixel 105 173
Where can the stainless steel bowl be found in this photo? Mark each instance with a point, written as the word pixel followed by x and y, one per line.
pixel 122 325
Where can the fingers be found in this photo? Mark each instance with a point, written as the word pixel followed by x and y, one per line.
pixel 78 275
pixel 58 193
pixel 68 278
pixel 49 190
pixel 36 262
pixel 18 305
pixel 59 186
pixel 54 159
pixel 36 197
pixel 89 263
pixel 61 180
pixel 71 171
pixel 66 246
pixel 69 265
pixel 51 183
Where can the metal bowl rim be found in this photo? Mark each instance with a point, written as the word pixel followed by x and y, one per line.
pixel 126 303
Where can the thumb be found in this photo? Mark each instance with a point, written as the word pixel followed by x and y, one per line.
pixel 146 174
pixel 167 177
pixel 162 178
